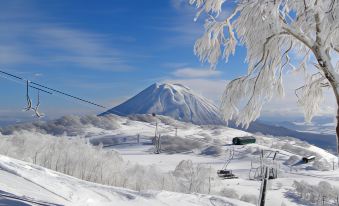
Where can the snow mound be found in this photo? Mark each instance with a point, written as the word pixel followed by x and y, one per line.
pixel 174 100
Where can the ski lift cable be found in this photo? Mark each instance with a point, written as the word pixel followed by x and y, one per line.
pixel 42 90
pixel 118 112
pixel 69 95
pixel 20 78
pixel 51 89
pixel 20 82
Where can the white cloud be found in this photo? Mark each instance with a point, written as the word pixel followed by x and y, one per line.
pixel 51 45
pixel 38 74
pixel 173 65
pixel 14 54
pixel 179 4
pixel 195 73
pixel 82 48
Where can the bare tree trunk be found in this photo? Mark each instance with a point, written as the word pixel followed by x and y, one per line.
pixel 336 94
pixel 337 131
pixel 324 61
pixel 335 89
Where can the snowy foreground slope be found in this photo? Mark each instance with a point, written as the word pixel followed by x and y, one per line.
pixel 27 180
pixel 205 146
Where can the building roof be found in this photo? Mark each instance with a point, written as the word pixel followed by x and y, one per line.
pixel 245 137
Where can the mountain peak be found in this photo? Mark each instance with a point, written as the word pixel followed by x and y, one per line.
pixel 174 100
pixel 174 86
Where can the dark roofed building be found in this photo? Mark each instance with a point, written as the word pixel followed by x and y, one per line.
pixel 243 140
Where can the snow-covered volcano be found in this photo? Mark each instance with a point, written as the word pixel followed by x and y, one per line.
pixel 174 100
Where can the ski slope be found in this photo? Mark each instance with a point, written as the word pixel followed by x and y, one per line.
pixel 28 181
pixel 240 165
pixel 34 183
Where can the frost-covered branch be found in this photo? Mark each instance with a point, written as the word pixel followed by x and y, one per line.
pixel 312 94
pixel 270 31
pixel 208 47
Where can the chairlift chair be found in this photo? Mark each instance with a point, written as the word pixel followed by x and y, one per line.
pixel 28 99
pixel 272 174
pixel 36 108
pixel 224 173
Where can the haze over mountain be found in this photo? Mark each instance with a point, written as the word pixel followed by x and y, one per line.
pixel 325 141
pixel 174 100
pixel 183 104
pixel 319 125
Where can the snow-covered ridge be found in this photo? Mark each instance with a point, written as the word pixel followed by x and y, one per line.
pixel 174 100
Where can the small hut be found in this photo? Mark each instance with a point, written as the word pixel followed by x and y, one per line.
pixel 308 159
pixel 243 140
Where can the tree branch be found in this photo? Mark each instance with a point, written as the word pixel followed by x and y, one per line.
pixel 321 78
pixel 298 35
pixel 268 39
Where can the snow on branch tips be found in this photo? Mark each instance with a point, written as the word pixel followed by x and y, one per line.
pixel 272 32
pixel 209 47
pixel 312 95
pixel 209 6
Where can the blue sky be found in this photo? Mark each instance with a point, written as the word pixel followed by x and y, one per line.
pixel 104 51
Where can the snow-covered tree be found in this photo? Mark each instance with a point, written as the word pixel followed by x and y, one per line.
pixel 271 30
pixel 191 178
pixel 317 194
